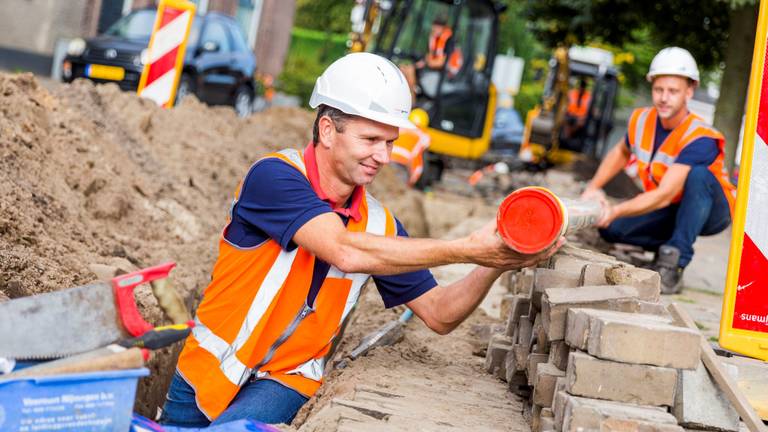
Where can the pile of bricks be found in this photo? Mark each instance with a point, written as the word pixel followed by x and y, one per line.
pixel 589 345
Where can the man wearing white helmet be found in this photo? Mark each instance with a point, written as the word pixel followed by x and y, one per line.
pixel 680 158
pixel 302 239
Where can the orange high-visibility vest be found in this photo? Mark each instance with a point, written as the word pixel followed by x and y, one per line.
pixel 578 104
pixel 408 151
pixel 437 46
pixel 651 167
pixel 254 319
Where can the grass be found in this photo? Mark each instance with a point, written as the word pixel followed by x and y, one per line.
pixel 309 54
pixel 701 326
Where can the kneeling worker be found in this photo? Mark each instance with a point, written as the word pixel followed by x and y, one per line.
pixel 302 239
pixel 680 159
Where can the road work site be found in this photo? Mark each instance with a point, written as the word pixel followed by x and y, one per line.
pixel 97 182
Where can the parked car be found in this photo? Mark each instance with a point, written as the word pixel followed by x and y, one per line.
pixel 218 66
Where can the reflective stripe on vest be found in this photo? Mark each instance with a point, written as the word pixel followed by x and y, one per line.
pixel 652 167
pixel 248 325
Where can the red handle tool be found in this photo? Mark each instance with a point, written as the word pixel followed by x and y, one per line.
pixel 123 287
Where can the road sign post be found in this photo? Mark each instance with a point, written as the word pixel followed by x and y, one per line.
pixel 165 54
pixel 744 323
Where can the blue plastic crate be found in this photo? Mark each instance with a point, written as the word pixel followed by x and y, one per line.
pixel 95 401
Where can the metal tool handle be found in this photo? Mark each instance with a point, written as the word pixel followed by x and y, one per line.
pixel 123 287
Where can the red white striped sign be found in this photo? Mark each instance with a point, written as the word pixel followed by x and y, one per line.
pixel 165 54
pixel 744 324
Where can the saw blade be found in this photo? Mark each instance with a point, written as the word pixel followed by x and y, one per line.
pixel 59 323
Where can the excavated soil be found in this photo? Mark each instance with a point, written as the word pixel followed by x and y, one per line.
pixel 95 181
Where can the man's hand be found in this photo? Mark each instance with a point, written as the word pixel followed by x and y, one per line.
pixel 593 193
pixel 493 252
pixel 608 215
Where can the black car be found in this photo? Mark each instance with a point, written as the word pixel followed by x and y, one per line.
pixel 218 66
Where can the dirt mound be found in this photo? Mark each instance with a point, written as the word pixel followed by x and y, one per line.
pixel 95 180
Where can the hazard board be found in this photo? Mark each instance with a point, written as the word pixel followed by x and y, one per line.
pixel 744 323
pixel 165 54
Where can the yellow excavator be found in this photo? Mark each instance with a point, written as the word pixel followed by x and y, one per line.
pixel 575 115
pixel 459 102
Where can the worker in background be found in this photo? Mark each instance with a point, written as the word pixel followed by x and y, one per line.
pixel 303 237
pixel 408 149
pixel 441 42
pixel 680 161
pixel 578 108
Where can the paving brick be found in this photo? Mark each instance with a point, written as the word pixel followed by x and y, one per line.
pixel 569 249
pixel 546 424
pixel 647 282
pixel 544 383
pixel 520 353
pixel 558 354
pixel 558 408
pixel 622 382
pixel 533 362
pixel 535 416
pixel 523 283
pixel 632 338
pixel 593 274
pixel 507 280
pixel 495 357
pixel 557 301
pixel 547 278
pixel 539 342
pixel 582 414
pixel 525 332
pixel 699 403
pixel 515 372
pixel 519 305
pixel 567 264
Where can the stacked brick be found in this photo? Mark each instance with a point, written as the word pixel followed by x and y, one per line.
pixel 588 344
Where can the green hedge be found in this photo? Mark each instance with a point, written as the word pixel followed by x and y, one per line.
pixel 309 54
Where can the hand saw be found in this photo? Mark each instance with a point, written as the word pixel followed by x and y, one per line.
pixel 83 318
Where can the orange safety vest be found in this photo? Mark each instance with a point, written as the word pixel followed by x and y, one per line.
pixel 437 50
pixel 578 106
pixel 254 319
pixel 651 167
pixel 408 151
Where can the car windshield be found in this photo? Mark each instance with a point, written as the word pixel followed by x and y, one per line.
pixel 135 25
pixel 138 25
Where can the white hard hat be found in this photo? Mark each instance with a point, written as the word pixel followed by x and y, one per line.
pixel 673 61
pixel 365 85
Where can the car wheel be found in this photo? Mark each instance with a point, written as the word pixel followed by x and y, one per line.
pixel 186 88
pixel 243 101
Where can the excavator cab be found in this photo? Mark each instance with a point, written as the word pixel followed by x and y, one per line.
pixel 458 96
pixel 575 116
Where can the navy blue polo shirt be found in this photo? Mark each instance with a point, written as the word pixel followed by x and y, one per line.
pixel 276 200
pixel 702 151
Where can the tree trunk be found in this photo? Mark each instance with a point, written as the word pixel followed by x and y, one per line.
pixel 733 90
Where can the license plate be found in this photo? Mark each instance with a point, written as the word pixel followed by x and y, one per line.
pixel 112 73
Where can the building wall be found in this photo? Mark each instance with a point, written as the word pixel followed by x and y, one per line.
pixel 34 25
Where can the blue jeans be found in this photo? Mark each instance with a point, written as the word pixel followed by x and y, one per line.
pixel 262 400
pixel 703 210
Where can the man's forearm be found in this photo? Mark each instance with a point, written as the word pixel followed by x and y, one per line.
pixel 455 302
pixel 367 253
pixel 643 203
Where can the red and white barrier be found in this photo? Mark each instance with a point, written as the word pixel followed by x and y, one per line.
pixel 165 54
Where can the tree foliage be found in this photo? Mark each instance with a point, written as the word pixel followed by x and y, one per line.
pixel 701 26
pixel 331 16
